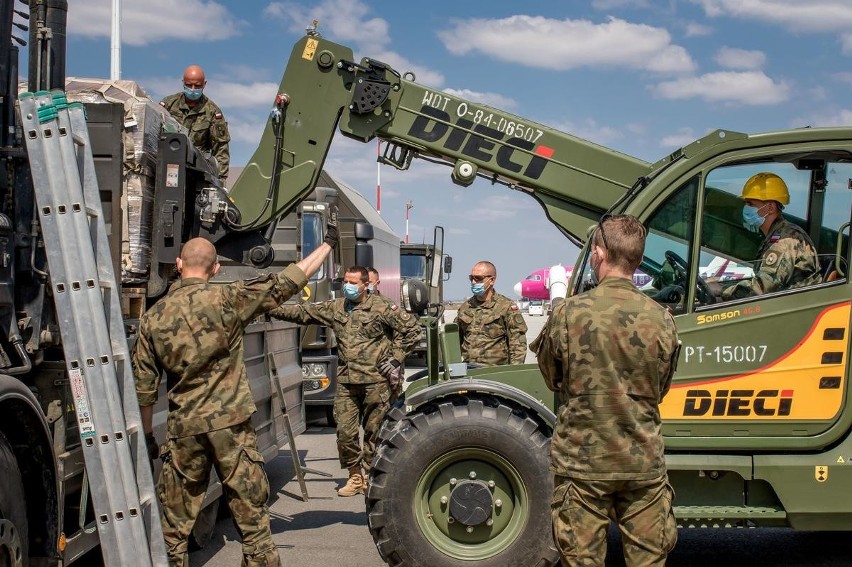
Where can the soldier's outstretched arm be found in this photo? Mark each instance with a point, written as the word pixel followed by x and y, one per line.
pixel 516 329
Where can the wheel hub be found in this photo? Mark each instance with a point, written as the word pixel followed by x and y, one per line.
pixel 471 502
pixel 10 545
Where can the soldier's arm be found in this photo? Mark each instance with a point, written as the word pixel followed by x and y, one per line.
pixel 776 269
pixel 306 313
pixel 516 329
pixel 670 357
pixel 219 140
pixel 545 347
pixel 406 333
pixel 146 368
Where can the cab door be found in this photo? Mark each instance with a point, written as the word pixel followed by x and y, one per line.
pixel 755 371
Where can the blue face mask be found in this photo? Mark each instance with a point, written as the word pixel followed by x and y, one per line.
pixel 192 94
pixel 350 291
pixel 477 289
pixel 751 218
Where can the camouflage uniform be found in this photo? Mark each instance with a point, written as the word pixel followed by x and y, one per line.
pixel 208 130
pixel 492 332
pixel 610 353
pixel 788 259
pixel 194 335
pixel 368 333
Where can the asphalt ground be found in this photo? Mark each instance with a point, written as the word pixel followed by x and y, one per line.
pixel 328 530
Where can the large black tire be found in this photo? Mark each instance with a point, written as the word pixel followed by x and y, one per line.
pixel 462 483
pixel 13 510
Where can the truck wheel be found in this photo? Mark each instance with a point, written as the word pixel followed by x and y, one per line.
pixel 462 483
pixel 13 510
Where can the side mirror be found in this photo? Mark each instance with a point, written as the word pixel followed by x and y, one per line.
pixel 448 264
pixel 415 296
pixel 337 284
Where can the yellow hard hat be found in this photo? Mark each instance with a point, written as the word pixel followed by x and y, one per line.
pixel 766 187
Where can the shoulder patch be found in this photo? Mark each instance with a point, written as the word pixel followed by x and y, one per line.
pixel 405 315
pixel 774 238
pixel 218 116
pixel 770 259
pixel 514 307
pixel 163 103
pixel 394 307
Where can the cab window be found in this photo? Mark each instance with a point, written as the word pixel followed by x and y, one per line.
pixel 731 253
pixel 312 237
pixel 665 270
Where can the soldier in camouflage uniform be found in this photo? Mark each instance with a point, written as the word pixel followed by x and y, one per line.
pixel 374 281
pixel 374 336
pixel 208 130
pixel 610 353
pixel 491 328
pixel 787 257
pixel 194 335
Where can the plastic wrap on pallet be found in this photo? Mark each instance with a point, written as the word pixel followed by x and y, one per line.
pixel 144 120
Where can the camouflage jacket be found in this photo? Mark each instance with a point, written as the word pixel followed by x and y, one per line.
pixel 368 333
pixel 787 259
pixel 492 332
pixel 195 336
pixel 610 353
pixel 208 130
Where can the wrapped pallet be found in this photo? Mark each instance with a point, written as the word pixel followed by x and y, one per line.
pixel 144 121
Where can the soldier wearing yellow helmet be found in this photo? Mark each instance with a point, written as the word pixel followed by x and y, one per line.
pixel 787 257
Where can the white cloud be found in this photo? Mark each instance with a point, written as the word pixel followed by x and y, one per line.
pixel 841 117
pixel 348 22
pixel 795 15
pixel 590 130
pixel 698 30
pixel 846 43
pixel 734 58
pixel 615 4
pixel 843 77
pixel 145 23
pixel 678 139
pixel 746 87
pixel 490 99
pixel 570 43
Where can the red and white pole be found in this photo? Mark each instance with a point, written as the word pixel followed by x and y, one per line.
pixel 408 206
pixel 378 176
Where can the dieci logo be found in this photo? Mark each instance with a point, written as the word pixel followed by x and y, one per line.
pixel 435 124
pixel 738 403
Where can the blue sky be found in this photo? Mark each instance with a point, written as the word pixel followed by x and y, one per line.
pixel 640 76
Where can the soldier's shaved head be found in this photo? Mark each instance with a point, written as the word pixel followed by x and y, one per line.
pixel 194 76
pixel 487 266
pixel 197 257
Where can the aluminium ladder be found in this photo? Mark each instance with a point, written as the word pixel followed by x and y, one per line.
pixel 86 296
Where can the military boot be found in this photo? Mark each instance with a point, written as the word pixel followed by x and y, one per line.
pixel 355 484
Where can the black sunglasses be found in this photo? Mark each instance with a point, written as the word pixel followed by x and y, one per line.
pixel 601 228
pixel 478 279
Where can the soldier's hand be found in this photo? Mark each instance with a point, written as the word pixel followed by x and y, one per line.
pixel 332 233
pixel 391 369
pixel 153 447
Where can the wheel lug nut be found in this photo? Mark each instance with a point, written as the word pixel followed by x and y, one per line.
pixel 472 475
pixel 498 503
pixel 453 481
pixel 469 529
pixel 444 500
pixel 491 484
pixel 489 522
pixel 451 520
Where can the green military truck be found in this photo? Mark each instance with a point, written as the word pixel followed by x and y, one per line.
pixel 427 264
pixel 156 191
pixel 758 426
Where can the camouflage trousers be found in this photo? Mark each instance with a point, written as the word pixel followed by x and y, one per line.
pixel 183 482
pixel 642 509
pixel 359 405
